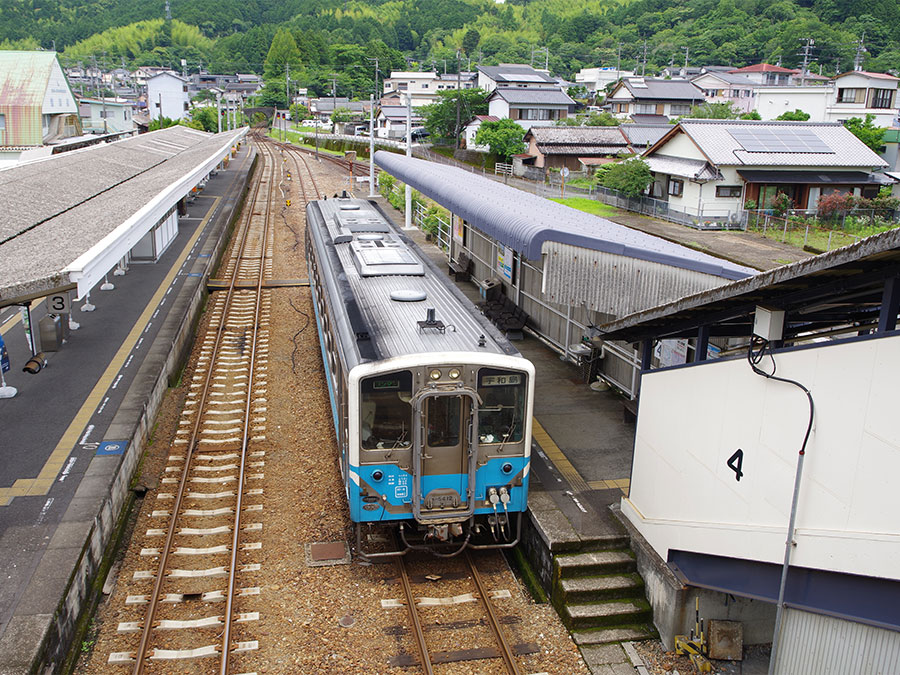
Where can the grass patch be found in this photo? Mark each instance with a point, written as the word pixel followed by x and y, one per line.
pixel 588 205
pixel 298 139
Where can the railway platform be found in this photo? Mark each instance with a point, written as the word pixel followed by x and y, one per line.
pixel 70 438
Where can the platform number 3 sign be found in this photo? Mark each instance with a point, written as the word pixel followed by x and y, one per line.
pixel 59 303
pixel 735 462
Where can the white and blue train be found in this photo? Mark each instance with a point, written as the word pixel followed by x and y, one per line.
pixel 432 405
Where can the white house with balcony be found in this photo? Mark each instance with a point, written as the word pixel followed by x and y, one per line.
pixel 422 87
pixel 596 79
pixel 530 107
pixel 724 87
pixel 859 93
pixel 167 96
pixel 513 76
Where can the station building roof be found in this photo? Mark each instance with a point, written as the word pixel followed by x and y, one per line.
pixel 587 260
pixel 70 218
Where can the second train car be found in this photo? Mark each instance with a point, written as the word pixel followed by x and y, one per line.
pixel 431 404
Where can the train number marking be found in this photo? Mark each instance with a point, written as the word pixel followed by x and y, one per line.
pixel 401 492
pixel 735 462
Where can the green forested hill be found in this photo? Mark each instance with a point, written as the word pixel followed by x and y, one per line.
pixel 337 37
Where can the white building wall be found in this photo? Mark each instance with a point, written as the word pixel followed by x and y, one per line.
pixel 166 96
pixel 58 98
pixel 693 419
pixel 773 101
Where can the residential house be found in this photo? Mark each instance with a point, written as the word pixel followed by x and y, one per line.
pixel 391 121
pixel 596 79
pixel 709 169
pixel 37 106
pixel 512 75
pixel 143 74
pixel 724 87
pixel 323 108
pixel 105 116
pixel 653 96
pixel 462 80
pixel 642 136
pixel 471 130
pixel 690 72
pixel 422 87
pixel 530 107
pixel 767 74
pixel 167 96
pixel 575 148
pixel 859 93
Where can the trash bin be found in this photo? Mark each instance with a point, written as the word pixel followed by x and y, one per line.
pixel 50 329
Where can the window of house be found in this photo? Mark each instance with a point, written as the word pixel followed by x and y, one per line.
pixel 645 108
pixel 2 122
pixel 847 95
pixel 728 190
pixel 679 109
pixel 676 187
pixel 425 85
pixel 882 98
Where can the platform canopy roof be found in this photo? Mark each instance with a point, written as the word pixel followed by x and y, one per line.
pixel 828 292
pixel 525 222
pixel 68 219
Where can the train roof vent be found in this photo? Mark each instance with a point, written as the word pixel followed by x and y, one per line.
pixel 383 258
pixel 408 295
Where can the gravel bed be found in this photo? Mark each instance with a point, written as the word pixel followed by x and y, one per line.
pixel 315 619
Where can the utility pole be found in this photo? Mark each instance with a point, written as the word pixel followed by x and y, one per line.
pixel 805 51
pixel 458 98
pixel 219 109
pixel 860 50
pixel 644 61
pixel 103 97
pixel 407 223
pixel 372 193
pixel 618 60
pixel 687 52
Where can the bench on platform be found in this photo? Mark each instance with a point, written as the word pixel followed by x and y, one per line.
pixel 461 268
pixel 506 315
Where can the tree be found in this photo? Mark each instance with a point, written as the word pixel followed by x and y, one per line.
pixel 866 131
pixel 601 119
pixel 204 119
pixel 341 115
pixel 440 117
pixel 714 111
pixel 204 95
pixel 630 177
pixel 793 116
pixel 752 115
pixel 470 41
pixel 283 53
pixel 299 112
pixel 504 137
pixel 161 123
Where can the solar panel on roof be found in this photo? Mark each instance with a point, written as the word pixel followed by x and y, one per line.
pixel 779 139
pixel 526 77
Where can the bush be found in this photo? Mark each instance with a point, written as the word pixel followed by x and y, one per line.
pixel 834 205
pixel 750 205
pixel 782 204
pixel 630 177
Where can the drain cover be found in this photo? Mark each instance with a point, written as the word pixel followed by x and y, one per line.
pixel 327 553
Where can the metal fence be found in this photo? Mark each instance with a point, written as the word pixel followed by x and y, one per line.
pixel 817 232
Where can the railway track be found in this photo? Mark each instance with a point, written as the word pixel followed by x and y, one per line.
pixel 205 556
pixel 454 618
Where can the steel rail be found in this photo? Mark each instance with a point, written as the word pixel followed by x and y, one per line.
pixel 149 617
pixel 245 441
pixel 506 652
pixel 414 615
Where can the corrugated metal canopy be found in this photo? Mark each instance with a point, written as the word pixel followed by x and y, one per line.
pixel 525 222
pixel 834 289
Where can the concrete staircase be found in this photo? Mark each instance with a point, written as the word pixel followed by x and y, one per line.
pixel 599 595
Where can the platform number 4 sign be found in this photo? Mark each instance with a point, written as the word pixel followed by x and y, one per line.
pixel 735 462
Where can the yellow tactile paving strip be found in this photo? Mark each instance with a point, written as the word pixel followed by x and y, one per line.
pixel 564 466
pixel 41 485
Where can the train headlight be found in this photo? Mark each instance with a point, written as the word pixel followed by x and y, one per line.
pixel 507 468
pixel 377 475
pixel 454 374
pixel 435 374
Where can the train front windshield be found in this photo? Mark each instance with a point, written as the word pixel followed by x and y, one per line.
pixel 385 411
pixel 501 418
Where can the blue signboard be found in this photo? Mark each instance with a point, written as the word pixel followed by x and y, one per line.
pixel 112 447
pixel 4 356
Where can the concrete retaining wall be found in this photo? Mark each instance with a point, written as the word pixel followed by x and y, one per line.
pixel 106 488
pixel 673 603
